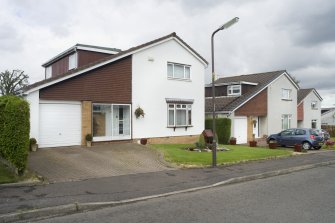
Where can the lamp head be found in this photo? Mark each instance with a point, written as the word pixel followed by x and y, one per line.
pixel 229 24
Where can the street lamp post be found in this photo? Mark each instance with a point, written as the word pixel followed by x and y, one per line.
pixel 224 26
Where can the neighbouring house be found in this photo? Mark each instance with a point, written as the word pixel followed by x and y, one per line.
pixel 309 108
pixel 328 116
pixel 259 104
pixel 99 94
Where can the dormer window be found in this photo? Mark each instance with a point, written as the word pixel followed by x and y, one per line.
pixel 48 72
pixel 73 61
pixel 234 90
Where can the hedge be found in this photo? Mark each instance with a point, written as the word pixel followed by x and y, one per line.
pixel 223 127
pixel 14 131
pixel 330 129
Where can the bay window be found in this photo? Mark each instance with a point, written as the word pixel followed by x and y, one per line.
pixel 179 115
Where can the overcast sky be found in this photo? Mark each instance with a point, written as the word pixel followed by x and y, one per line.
pixel 297 36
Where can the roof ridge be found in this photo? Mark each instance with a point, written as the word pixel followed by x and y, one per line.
pixel 121 55
pixel 243 75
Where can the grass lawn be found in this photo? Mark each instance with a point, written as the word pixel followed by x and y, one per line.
pixel 176 153
pixel 6 176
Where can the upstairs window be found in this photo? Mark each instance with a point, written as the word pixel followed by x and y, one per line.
pixel 314 105
pixel 314 123
pixel 48 72
pixel 234 90
pixel 286 94
pixel 73 61
pixel 178 71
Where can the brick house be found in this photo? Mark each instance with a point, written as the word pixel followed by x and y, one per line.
pixel 96 90
pixel 259 104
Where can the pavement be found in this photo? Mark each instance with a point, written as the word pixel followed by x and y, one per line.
pixel 81 163
pixel 32 201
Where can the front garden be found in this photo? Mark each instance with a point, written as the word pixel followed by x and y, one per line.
pixel 180 154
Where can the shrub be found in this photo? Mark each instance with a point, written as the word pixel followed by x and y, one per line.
pixel 14 131
pixel 33 141
pixel 201 143
pixel 89 137
pixel 223 126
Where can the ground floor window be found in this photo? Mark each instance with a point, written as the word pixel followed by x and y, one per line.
pixel 314 124
pixel 179 115
pixel 111 122
pixel 286 121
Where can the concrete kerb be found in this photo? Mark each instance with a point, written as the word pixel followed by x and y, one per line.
pixel 81 207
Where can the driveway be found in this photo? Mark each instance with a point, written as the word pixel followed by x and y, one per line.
pixel 79 163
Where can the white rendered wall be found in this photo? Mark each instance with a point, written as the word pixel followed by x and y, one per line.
pixel 278 107
pixel 263 126
pixel 309 113
pixel 34 100
pixel 150 88
pixel 328 118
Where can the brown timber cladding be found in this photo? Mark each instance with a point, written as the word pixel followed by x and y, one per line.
pixel 301 111
pixel 108 84
pixel 223 90
pixel 86 57
pixel 257 106
pixel 60 66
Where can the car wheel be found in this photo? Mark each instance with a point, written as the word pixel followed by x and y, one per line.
pixel 317 147
pixel 306 145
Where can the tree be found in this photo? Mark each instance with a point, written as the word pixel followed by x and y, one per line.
pixel 295 80
pixel 12 83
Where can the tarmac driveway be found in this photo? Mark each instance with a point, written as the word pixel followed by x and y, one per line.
pixel 79 163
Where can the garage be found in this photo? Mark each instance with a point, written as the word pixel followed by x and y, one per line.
pixel 240 129
pixel 59 124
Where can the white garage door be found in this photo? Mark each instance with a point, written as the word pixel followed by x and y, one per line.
pixel 60 124
pixel 240 129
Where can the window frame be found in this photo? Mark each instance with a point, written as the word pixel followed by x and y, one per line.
pixel 230 90
pixel 288 96
pixel 181 107
pixel 48 72
pixel 289 121
pixel 186 75
pixel 75 61
pixel 315 103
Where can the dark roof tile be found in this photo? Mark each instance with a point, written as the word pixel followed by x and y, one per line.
pixel 302 93
pixel 262 79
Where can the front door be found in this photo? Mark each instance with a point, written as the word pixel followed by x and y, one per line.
pixel 255 124
pixel 121 121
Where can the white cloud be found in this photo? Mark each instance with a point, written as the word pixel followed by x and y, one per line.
pixel 294 35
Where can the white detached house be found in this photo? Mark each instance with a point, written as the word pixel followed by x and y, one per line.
pixel 258 104
pixel 309 108
pixel 99 94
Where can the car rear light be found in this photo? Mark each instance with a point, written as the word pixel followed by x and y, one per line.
pixel 312 137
